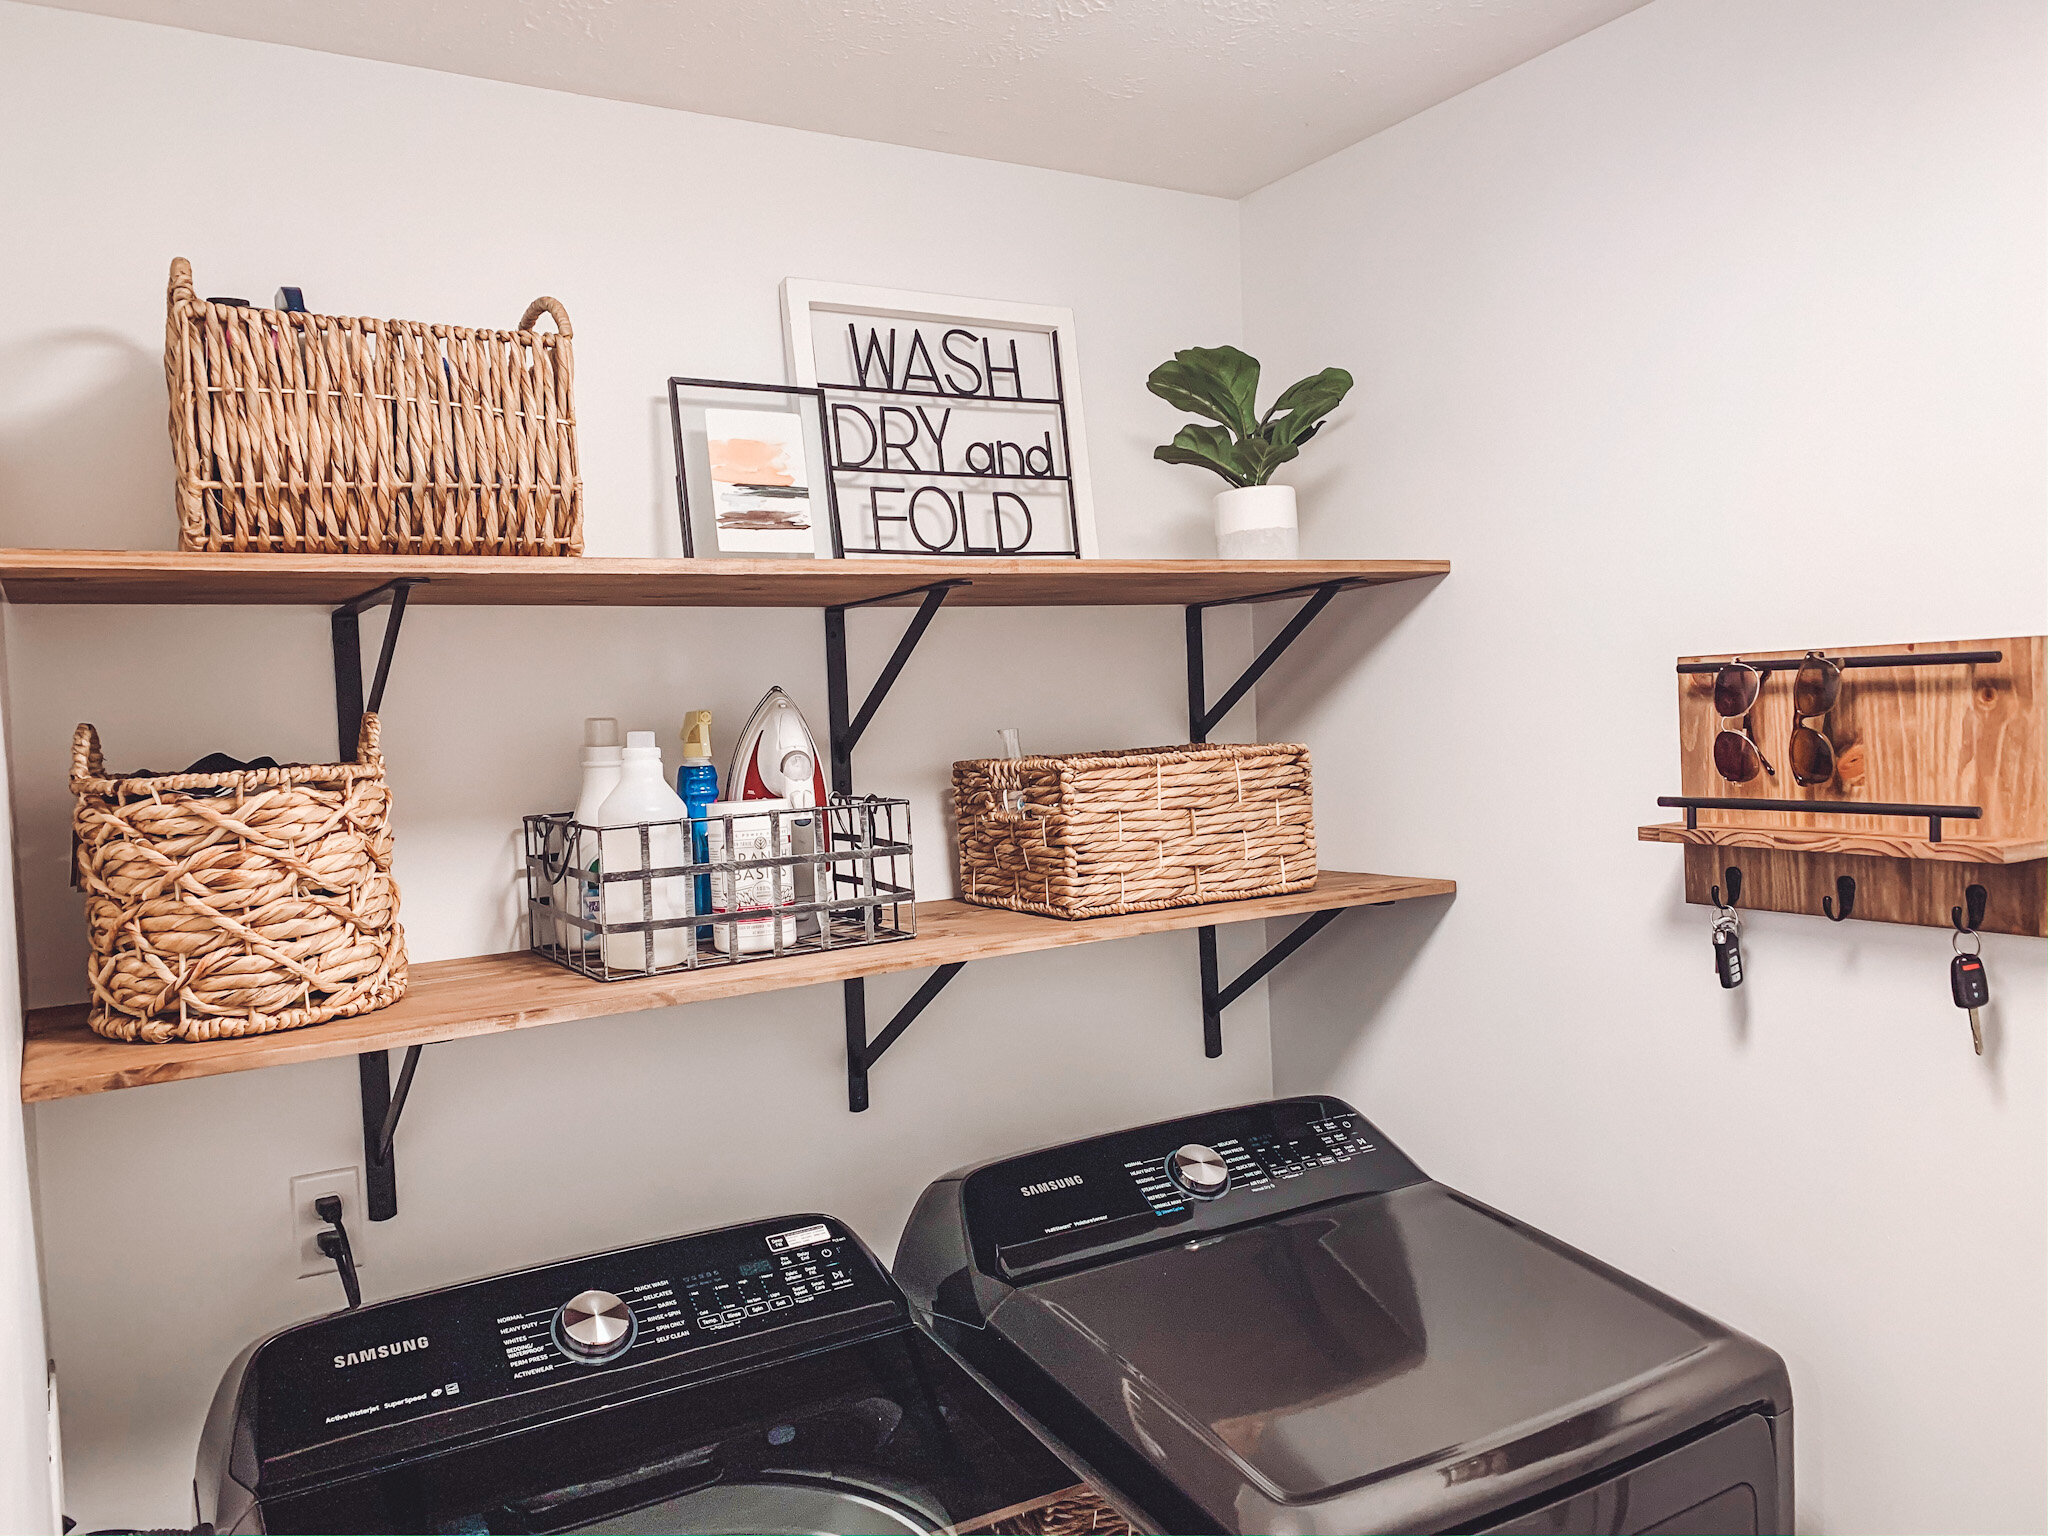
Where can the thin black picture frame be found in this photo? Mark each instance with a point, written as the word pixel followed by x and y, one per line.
pixel 679 383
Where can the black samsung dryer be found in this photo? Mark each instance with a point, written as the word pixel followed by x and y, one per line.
pixel 762 1378
pixel 1268 1319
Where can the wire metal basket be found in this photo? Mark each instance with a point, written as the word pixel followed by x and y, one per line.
pixel 655 897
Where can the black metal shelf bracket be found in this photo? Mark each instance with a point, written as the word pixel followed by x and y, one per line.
pixel 1216 998
pixel 381 1106
pixel 345 630
pixel 847 725
pixel 861 1054
pixel 1203 718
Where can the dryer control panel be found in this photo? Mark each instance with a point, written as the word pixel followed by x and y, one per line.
pixel 709 1297
pixel 1092 1200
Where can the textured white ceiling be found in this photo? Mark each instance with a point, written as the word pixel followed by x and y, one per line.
pixel 1218 96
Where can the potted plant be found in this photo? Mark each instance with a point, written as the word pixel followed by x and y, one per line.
pixel 1254 518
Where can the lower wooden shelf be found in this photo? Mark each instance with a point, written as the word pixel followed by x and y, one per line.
pixel 452 999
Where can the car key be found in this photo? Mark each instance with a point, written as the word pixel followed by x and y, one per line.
pixel 1970 985
pixel 1728 950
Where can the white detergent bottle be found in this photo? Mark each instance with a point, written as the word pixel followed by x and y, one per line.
pixel 601 762
pixel 643 796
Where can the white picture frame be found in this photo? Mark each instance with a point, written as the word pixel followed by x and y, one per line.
pixel 805 302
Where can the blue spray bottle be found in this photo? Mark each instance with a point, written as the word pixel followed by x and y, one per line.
pixel 697 787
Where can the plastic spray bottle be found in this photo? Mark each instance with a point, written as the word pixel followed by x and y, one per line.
pixel 697 784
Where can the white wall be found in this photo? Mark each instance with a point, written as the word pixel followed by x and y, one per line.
pixel 383 190
pixel 1719 328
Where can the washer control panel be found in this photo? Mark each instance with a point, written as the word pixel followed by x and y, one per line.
pixel 421 1355
pixel 1099 1198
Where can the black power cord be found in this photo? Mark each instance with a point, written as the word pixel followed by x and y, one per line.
pixel 334 1243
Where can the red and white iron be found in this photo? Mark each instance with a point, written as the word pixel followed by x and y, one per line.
pixel 776 757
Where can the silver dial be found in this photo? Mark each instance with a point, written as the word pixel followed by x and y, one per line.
pixel 1199 1170
pixel 594 1326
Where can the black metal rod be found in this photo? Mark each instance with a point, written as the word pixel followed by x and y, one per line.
pixel 1822 807
pixel 934 984
pixel 855 996
pixel 380 1173
pixel 1198 688
pixel 1212 717
pixel 1212 1007
pixel 1257 971
pixel 912 633
pixel 398 1097
pixel 1931 659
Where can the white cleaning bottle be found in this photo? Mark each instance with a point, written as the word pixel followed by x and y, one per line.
pixel 643 797
pixel 601 762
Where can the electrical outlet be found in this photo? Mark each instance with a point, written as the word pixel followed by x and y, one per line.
pixel 307 1225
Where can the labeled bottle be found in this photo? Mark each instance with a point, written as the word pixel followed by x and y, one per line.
pixel 742 831
pixel 697 784
pixel 643 821
pixel 601 762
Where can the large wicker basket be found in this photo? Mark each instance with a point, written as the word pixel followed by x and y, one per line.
pixel 222 904
pixel 320 434
pixel 1096 833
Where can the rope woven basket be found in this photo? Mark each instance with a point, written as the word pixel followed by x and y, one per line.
pixel 321 434
pixel 1091 834
pixel 265 905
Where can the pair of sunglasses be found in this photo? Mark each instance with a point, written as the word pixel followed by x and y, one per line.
pixel 1736 687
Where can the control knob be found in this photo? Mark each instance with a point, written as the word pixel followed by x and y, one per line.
pixel 1199 1170
pixel 593 1326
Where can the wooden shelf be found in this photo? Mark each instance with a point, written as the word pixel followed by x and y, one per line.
pixel 1954 850
pixel 146 576
pixel 451 999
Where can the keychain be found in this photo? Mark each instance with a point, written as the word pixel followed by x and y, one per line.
pixel 1728 931
pixel 1968 982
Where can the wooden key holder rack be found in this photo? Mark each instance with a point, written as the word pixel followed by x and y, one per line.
pixel 1941 783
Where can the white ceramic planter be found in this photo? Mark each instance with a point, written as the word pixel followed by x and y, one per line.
pixel 1256 522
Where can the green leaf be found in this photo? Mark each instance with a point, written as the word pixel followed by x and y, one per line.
pixel 1303 407
pixel 1262 456
pixel 1210 448
pixel 1220 383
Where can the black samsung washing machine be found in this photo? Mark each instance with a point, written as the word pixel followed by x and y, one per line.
pixel 762 1378
pixel 1268 1319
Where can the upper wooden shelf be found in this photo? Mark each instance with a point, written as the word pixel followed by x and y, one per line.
pixel 149 576
pixel 450 999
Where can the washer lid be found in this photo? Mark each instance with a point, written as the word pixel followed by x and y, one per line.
pixel 1335 1346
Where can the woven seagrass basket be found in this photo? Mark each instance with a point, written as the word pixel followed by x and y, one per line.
pixel 223 904
pixel 1096 833
pixel 320 434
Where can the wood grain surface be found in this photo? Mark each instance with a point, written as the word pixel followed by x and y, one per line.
pixel 451 999
pixel 1956 735
pixel 146 576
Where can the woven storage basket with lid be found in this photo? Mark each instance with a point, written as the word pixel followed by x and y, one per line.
pixel 223 904
pixel 321 434
pixel 1091 834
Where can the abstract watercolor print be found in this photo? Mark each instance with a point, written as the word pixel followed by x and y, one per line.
pixel 758 481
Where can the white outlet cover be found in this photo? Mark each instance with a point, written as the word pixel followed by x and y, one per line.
pixel 307 1225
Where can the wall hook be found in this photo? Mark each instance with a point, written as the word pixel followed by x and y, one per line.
pixel 1845 893
pixel 1977 897
pixel 1732 878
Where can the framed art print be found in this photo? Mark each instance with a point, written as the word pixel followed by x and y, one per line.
pixel 952 426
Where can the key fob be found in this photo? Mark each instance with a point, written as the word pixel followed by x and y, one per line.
pixel 1728 955
pixel 1968 981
